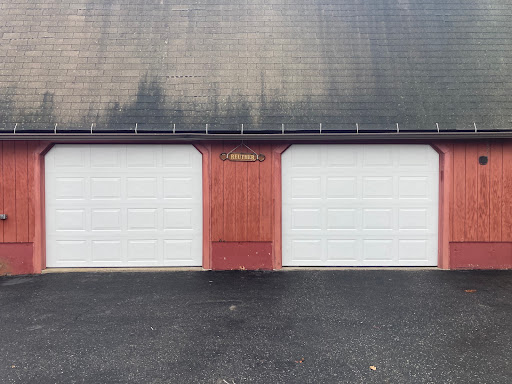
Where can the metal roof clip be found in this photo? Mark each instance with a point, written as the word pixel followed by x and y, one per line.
pixel 242 131
pixel 397 129
pixel 357 128
pixel 437 125
pixel 15 126
pixel 282 128
pixel 136 127
pixel 174 128
pixel 206 128
pixel 475 127
pixel 92 125
pixel 55 129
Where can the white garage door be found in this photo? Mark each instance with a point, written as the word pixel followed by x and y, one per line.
pixel 123 205
pixel 360 205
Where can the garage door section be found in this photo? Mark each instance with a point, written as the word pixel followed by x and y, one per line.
pixel 123 206
pixel 360 205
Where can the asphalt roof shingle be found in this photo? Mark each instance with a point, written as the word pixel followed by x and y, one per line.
pixel 262 63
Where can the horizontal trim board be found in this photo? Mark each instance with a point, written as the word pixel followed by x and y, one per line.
pixel 141 137
pixel 481 255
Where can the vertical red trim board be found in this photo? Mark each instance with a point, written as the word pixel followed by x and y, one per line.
pixel 205 150
pixel 445 188
pixel 39 257
pixel 278 204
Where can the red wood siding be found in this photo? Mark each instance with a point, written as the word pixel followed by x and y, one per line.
pixel 481 208
pixel 17 191
pixel 245 197
pixel 241 201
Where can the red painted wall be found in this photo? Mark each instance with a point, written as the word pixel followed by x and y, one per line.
pixel 481 209
pixel 241 200
pixel 17 201
pixel 17 191
pixel 245 204
pixel 241 205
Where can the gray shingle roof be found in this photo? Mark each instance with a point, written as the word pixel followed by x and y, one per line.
pixel 164 64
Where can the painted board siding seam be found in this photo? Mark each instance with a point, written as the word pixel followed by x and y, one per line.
pixel 459 191
pixel 9 198
pixel 483 194
pixel 506 211
pixel 452 194
pixel 21 193
pixel 503 178
pixel 27 186
pixel 31 188
pixel 471 226
pixel 502 188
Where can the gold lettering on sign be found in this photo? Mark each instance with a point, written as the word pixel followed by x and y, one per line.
pixel 242 157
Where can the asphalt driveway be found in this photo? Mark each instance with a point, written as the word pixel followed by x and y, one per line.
pixel 257 327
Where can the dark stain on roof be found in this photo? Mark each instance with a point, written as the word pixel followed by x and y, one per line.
pixel 164 65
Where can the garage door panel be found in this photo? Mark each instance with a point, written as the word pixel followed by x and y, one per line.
pixel 137 157
pixel 178 188
pixel 413 219
pixel 116 211
pixel 379 251
pixel 70 220
pixel 304 218
pixel 417 158
pixel 377 187
pixel 106 220
pixel 347 158
pixel 143 252
pixel 142 188
pixel 413 249
pixel 341 252
pixel 178 250
pixel 107 159
pixel 177 157
pixel 70 158
pixel 306 249
pixel 414 187
pixel 69 188
pixel 107 251
pixel 75 251
pixel 373 213
pixel 302 158
pixel 342 219
pixel 380 219
pixel 105 188
pixel 342 187
pixel 178 219
pixel 377 156
pixel 142 219
pixel 306 187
